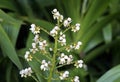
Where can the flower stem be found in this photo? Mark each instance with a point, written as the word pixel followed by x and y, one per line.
pixel 53 61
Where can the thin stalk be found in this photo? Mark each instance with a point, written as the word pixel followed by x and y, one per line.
pixel 54 60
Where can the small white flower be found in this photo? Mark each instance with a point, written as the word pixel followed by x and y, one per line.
pixel 64 75
pixel 57 15
pixel 67 22
pixel 62 39
pixel 64 59
pixel 76 27
pixel 69 48
pixel 33 45
pixel 45 65
pixel 76 79
pixel 34 29
pixel 42 44
pixel 77 46
pixel 26 72
pixel 79 64
pixel 69 59
pixel 36 38
pixel 28 56
pixel 54 31
pixel 34 48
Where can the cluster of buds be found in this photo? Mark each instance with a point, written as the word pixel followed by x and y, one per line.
pixel 39 45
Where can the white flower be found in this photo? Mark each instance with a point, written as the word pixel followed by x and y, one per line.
pixel 42 45
pixel 54 31
pixel 69 48
pixel 69 59
pixel 64 59
pixel 64 75
pixel 36 38
pixel 57 15
pixel 79 64
pixel 34 29
pixel 26 72
pixel 76 79
pixel 67 22
pixel 77 46
pixel 62 39
pixel 33 45
pixel 28 56
pixel 34 48
pixel 76 27
pixel 45 65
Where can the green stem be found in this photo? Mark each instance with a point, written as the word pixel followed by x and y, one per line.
pixel 67 29
pixel 44 30
pixel 53 61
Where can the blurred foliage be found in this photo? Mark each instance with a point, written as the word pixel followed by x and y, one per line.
pixel 100 34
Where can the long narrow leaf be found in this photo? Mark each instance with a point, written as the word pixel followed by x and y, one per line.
pixel 8 48
pixel 111 75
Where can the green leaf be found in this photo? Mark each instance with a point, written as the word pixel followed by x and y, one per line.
pixel 107 33
pixel 8 48
pixel 11 26
pixel 6 4
pixel 96 52
pixel 111 75
pixel 96 40
pixel 9 72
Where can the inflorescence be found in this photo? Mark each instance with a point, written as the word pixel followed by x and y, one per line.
pixel 42 46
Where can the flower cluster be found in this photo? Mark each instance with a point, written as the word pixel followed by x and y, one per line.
pixel 74 46
pixel 76 27
pixel 45 65
pixel 26 72
pixel 64 75
pixel 49 62
pixel 64 59
pixel 79 64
